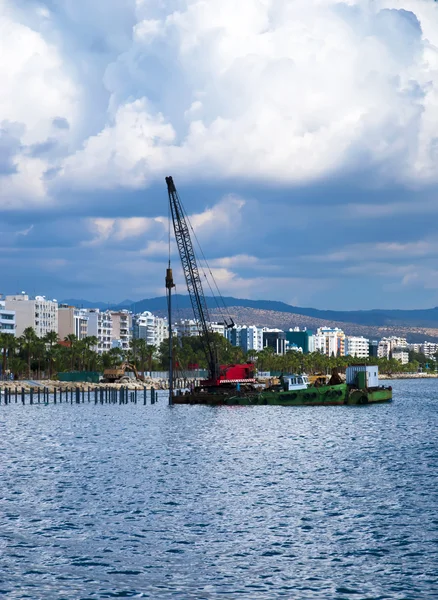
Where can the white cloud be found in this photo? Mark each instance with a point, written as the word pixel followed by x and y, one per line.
pixel 266 89
pixel 120 229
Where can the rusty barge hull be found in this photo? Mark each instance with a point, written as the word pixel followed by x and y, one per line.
pixel 334 395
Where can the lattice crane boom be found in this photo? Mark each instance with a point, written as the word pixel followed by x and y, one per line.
pixel 193 279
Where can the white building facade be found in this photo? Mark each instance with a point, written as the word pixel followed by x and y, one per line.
pixel 387 346
pixel 121 330
pixel 330 342
pixel 100 325
pixel 39 313
pixel 357 346
pixel 154 330
pixel 7 319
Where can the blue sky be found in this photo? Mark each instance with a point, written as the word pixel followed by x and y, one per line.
pixel 302 136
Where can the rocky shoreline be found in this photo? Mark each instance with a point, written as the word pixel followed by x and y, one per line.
pixel 409 376
pixel 51 385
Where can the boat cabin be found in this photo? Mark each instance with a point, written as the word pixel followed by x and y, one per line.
pixel 295 382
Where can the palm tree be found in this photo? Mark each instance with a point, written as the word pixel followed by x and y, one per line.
pixel 28 341
pixel 72 340
pixel 115 355
pixel 51 339
pixel 8 343
pixel 17 366
pixel 40 351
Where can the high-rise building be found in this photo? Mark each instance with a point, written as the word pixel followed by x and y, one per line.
pixel 251 338
pixel 330 342
pixel 388 345
pixel 39 313
pixel 72 321
pixel 357 346
pixel 276 339
pixel 303 340
pixel 146 326
pixel 121 329
pixel 100 325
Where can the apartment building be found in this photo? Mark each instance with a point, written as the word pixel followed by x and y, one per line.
pixel 121 329
pixel 72 321
pixel 100 325
pixel 251 338
pixel 146 326
pixel 7 319
pixel 388 345
pixel 330 341
pixel 357 346
pixel 39 313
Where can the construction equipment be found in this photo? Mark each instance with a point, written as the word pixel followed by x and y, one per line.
pixel 218 375
pixel 124 373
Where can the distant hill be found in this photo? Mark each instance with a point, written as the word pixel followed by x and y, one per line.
pixel 417 325
pixel 376 317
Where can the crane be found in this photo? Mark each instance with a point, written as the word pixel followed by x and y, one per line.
pixel 193 280
pixel 228 374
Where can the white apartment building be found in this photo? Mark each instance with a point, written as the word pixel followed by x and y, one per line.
pixel 357 346
pixel 251 338
pixel 401 354
pixel 233 335
pixel 39 313
pixel 429 349
pixel 72 321
pixel 330 342
pixel 121 329
pixel 218 328
pixel 187 328
pixel 100 325
pixel 154 330
pixel 7 319
pixel 388 345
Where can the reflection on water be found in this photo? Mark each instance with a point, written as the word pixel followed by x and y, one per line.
pixel 113 501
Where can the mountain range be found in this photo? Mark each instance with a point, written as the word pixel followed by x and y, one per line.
pixel 416 325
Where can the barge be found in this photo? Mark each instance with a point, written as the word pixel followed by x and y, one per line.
pixel 361 387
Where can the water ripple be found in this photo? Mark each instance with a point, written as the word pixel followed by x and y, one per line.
pixel 198 503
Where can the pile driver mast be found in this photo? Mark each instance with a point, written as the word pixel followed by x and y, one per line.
pixel 193 280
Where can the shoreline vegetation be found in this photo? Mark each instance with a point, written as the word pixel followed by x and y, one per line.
pixel 29 361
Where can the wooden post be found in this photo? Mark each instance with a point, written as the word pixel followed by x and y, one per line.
pixel 23 397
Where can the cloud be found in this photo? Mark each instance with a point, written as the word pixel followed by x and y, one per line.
pixel 303 90
pixel 302 136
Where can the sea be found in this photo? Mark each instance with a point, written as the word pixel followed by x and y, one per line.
pixel 250 503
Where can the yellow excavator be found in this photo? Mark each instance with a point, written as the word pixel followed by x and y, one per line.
pixel 124 373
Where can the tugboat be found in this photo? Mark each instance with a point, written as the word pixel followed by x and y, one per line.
pixel 236 384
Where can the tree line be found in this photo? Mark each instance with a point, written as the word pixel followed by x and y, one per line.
pixel 33 357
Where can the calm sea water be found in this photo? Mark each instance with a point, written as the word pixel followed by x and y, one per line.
pixel 202 503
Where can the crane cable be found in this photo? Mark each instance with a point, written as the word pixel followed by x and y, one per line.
pixel 211 274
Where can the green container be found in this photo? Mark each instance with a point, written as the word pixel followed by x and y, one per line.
pixel 80 376
pixel 361 378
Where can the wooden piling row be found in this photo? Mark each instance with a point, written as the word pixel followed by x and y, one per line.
pixel 76 395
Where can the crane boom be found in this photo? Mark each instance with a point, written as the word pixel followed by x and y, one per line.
pixel 193 280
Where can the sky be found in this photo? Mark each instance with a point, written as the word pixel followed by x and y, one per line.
pixel 302 136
